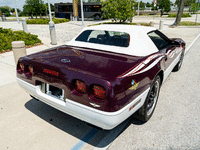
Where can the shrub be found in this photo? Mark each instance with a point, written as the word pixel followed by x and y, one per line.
pixel 8 36
pixel 184 15
pixel 189 23
pixel 45 21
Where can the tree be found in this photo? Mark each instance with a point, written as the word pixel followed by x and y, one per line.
pixel 5 10
pixel 34 7
pixel 142 5
pixel 118 10
pixel 164 5
pixel 154 7
pixel 187 2
pixel 179 14
pixel 13 10
pixel 52 7
pixel 148 4
pixel 194 7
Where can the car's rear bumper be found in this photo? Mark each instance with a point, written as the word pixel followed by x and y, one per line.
pixel 105 120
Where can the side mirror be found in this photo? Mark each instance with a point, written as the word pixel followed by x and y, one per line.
pixel 175 43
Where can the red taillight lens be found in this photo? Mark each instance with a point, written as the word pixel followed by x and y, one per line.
pixel 80 86
pixel 20 68
pixel 99 92
pixel 51 72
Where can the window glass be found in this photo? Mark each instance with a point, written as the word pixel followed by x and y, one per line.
pixel 158 40
pixel 113 38
pixel 66 8
pixel 92 8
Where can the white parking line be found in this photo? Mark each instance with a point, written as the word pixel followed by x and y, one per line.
pixel 187 49
pixel 111 136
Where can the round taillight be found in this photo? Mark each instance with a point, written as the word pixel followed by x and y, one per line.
pixel 80 86
pixel 99 92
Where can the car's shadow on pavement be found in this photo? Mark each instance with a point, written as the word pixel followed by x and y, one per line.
pixel 92 135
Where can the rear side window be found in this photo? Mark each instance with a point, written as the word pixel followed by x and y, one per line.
pixel 112 38
pixel 158 40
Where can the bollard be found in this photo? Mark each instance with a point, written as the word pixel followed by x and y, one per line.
pixel 151 24
pixel 71 17
pixel 24 25
pixel 75 18
pixel 52 33
pixel 161 25
pixel 3 18
pixel 19 50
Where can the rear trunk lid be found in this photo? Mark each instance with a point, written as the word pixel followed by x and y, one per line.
pixel 94 62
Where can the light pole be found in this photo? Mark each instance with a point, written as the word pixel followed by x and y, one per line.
pixel 16 12
pixel 82 15
pixel 138 8
pixel 155 2
pixel 52 27
pixel 197 12
pixel 50 17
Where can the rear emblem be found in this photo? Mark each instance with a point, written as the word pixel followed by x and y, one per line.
pixel 65 60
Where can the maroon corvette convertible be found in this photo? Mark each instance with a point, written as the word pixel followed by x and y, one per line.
pixel 105 74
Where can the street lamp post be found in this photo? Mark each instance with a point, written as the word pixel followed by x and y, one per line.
pixel 138 8
pixel 50 17
pixel 197 12
pixel 52 27
pixel 155 2
pixel 16 12
pixel 82 15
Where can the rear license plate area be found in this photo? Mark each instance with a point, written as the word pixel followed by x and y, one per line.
pixel 53 91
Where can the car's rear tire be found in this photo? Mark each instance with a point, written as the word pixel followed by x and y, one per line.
pixel 146 111
pixel 179 64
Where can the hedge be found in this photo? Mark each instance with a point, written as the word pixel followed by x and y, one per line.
pixel 8 36
pixel 184 15
pixel 45 21
pixel 189 23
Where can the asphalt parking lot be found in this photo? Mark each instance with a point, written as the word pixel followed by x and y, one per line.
pixel 29 124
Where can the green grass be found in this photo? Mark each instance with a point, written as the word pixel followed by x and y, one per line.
pixel 8 36
pixel 45 21
pixel 143 24
pixel 189 23
pixel 184 15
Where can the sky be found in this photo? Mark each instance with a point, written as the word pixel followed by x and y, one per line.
pixel 20 3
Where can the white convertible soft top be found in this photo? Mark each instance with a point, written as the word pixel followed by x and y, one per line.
pixel 140 43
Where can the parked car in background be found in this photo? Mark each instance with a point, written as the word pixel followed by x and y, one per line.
pixel 105 74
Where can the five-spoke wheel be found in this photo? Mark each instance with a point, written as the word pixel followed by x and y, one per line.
pixel 146 111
